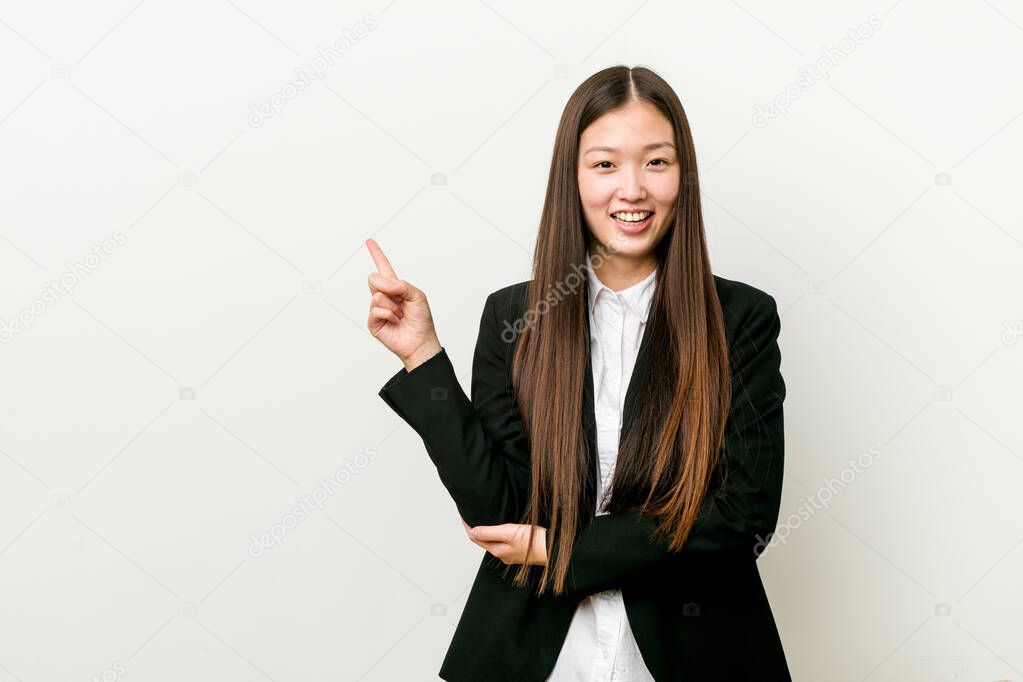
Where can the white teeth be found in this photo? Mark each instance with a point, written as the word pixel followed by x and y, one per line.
pixel 632 217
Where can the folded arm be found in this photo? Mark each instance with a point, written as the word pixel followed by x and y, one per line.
pixel 741 517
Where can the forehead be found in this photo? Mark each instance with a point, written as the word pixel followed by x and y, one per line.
pixel 629 128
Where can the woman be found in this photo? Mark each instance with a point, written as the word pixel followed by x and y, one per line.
pixel 622 451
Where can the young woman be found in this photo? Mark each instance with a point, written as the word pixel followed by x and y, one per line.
pixel 622 451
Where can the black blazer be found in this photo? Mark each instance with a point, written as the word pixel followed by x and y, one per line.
pixel 700 614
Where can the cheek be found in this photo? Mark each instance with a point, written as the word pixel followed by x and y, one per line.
pixel 665 192
pixel 596 192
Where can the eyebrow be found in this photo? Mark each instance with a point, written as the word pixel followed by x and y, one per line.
pixel 649 147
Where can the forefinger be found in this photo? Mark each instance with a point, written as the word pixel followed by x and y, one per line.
pixel 383 265
pixel 499 533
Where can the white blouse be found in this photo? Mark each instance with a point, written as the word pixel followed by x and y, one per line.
pixel 600 646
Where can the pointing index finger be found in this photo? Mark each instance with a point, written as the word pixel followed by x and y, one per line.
pixel 383 265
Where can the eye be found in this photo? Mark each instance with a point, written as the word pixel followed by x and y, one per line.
pixel 600 164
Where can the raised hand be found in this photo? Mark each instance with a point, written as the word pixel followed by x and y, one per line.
pixel 399 314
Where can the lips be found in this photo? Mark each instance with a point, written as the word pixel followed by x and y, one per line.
pixel 632 227
pixel 631 215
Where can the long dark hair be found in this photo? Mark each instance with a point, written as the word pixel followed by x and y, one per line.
pixel 668 457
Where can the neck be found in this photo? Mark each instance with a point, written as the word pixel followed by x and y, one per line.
pixel 621 272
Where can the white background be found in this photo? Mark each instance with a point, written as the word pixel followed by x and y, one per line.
pixel 207 371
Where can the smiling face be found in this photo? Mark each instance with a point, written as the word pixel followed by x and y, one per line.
pixel 628 183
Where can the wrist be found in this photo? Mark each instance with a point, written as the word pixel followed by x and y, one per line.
pixel 540 542
pixel 422 354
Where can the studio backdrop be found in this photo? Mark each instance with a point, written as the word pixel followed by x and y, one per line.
pixel 198 480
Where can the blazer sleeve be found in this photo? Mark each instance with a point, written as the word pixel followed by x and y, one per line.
pixel 741 517
pixel 478 446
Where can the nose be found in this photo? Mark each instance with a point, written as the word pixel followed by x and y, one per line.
pixel 631 189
